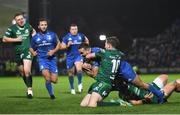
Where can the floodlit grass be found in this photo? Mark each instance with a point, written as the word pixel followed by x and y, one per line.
pixel 13 99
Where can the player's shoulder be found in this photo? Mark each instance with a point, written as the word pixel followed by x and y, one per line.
pixel 96 49
pixel 10 28
pixel 67 36
pixel 80 34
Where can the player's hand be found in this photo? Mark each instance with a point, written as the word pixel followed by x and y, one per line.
pixel 51 52
pixel 34 53
pixel 86 66
pixel 19 38
pixel 69 43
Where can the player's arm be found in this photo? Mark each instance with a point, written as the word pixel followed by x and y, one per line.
pixel 65 44
pixel 86 40
pixel 33 52
pixel 88 69
pixel 90 56
pixel 33 32
pixel 136 102
pixel 53 51
pixel 32 48
pixel 8 39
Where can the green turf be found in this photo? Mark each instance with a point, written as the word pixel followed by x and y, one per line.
pixel 13 100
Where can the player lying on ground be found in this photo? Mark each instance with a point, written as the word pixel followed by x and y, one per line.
pixel 135 95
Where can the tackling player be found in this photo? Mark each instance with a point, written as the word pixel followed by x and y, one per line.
pixel 45 44
pixel 20 34
pixel 74 60
pixel 110 61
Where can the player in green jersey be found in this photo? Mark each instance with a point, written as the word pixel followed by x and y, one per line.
pixel 135 95
pixel 20 34
pixel 110 61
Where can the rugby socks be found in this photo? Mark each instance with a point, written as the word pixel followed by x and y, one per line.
pixel 79 76
pixel 24 79
pixel 108 103
pixel 49 88
pixel 71 81
pixel 155 91
pixel 29 81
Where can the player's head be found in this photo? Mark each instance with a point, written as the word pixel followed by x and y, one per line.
pixel 73 28
pixel 19 18
pixel 42 25
pixel 112 43
pixel 84 49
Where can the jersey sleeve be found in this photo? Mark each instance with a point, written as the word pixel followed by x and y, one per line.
pixel 100 54
pixel 56 39
pixel 33 44
pixel 8 33
pixel 65 40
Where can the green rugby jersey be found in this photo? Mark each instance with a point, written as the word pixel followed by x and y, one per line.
pixel 110 61
pixel 25 32
pixel 141 93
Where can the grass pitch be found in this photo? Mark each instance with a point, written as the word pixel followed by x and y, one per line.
pixel 13 99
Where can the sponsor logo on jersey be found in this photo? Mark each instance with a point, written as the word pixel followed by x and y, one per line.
pixel 26 31
pixel 18 32
pixel 49 37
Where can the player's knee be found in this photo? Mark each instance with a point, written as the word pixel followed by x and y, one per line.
pixel 177 84
pixel 54 81
pixel 79 70
pixel 164 77
pixel 82 104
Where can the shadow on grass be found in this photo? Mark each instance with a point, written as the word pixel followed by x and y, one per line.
pixel 16 96
pixel 26 97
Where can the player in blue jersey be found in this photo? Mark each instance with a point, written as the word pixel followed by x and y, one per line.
pixel 74 60
pixel 90 66
pixel 45 44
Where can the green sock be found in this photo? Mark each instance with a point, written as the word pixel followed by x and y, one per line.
pixel 108 104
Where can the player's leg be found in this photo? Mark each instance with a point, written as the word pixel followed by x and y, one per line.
pixel 71 79
pixel 21 71
pixel 53 70
pixel 78 66
pixel 46 74
pixel 85 101
pixel 27 72
pixel 128 73
pixel 21 68
pixel 98 90
pixel 161 81
pixel 170 87
pixel 71 71
pixel 95 97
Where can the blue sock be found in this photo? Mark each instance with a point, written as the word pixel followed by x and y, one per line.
pixel 71 81
pixel 49 88
pixel 79 76
pixel 155 91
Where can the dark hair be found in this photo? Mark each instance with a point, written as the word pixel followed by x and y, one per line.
pixel 18 14
pixel 72 25
pixel 42 19
pixel 114 41
pixel 84 45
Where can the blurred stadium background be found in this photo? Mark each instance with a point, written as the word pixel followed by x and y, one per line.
pixel 149 31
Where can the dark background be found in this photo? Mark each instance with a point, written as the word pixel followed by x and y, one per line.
pixel 126 19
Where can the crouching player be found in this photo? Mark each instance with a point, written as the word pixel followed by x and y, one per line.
pixel 45 44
